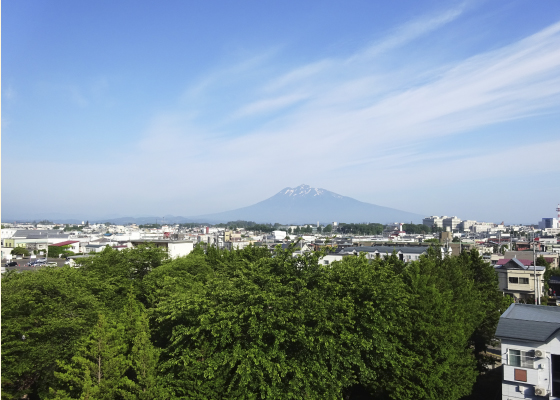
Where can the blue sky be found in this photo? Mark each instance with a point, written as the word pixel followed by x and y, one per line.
pixel 137 108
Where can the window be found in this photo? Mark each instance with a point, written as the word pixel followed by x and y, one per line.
pixel 555 375
pixel 518 358
pixel 524 281
pixel 513 279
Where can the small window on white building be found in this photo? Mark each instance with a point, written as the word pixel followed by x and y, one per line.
pixel 518 358
pixel 524 281
pixel 513 279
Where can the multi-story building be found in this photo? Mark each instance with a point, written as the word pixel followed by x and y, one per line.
pixel 451 223
pixel 466 225
pixel 548 223
pixel 433 221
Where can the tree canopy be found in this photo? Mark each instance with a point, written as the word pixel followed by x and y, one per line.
pixel 20 251
pixel 248 323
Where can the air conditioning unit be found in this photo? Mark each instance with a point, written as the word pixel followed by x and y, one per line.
pixel 539 354
pixel 539 391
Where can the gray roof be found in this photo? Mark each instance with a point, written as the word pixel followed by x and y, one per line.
pixel 529 322
pixel 386 249
pixel 39 233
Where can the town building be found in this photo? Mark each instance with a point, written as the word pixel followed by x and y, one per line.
pixel 433 221
pixel 451 223
pixel 530 349
pixel 516 278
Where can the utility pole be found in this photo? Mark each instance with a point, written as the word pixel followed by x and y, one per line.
pixel 535 272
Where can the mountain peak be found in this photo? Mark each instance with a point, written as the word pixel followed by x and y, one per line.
pixel 303 203
pixel 304 190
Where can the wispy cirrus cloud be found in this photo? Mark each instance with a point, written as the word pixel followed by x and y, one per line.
pixel 366 122
pixel 352 113
pixel 269 105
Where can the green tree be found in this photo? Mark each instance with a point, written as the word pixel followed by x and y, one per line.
pixel 548 273
pixel 328 228
pixel 20 251
pixel 56 251
pixel 144 359
pixel 245 324
pixel 456 240
pixel 44 315
pixel 278 333
pixel 99 367
pixel 492 303
pixel 115 271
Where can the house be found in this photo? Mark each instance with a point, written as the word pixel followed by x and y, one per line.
pixel 35 239
pixel 552 258
pixel 530 348
pixel 516 278
pixel 94 248
pixel 73 245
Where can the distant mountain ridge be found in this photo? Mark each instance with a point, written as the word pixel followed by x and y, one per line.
pixel 304 204
pixel 300 205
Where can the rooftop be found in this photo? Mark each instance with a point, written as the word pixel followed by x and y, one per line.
pixel 529 322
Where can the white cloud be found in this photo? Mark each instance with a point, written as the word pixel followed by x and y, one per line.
pixel 269 105
pixel 373 119
pixel 351 119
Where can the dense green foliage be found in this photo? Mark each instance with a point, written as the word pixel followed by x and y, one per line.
pixel 248 324
pixel 20 251
pixel 69 228
pixel 361 229
pixel 249 225
pixel 57 251
pixel 301 230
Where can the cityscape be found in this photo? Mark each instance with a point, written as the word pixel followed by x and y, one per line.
pixel 280 200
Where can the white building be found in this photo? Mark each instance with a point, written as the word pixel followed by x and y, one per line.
pixel 466 225
pixel 530 348
pixel 433 221
pixel 451 223
pixel 278 235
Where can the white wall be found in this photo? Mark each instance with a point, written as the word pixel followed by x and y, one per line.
pixel 279 235
pixel 179 249
pixel 540 375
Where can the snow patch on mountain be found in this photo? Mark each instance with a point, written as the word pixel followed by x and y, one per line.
pixel 306 190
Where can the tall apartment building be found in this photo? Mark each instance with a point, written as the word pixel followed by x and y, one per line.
pixel 450 223
pixel 433 221
pixel 466 225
